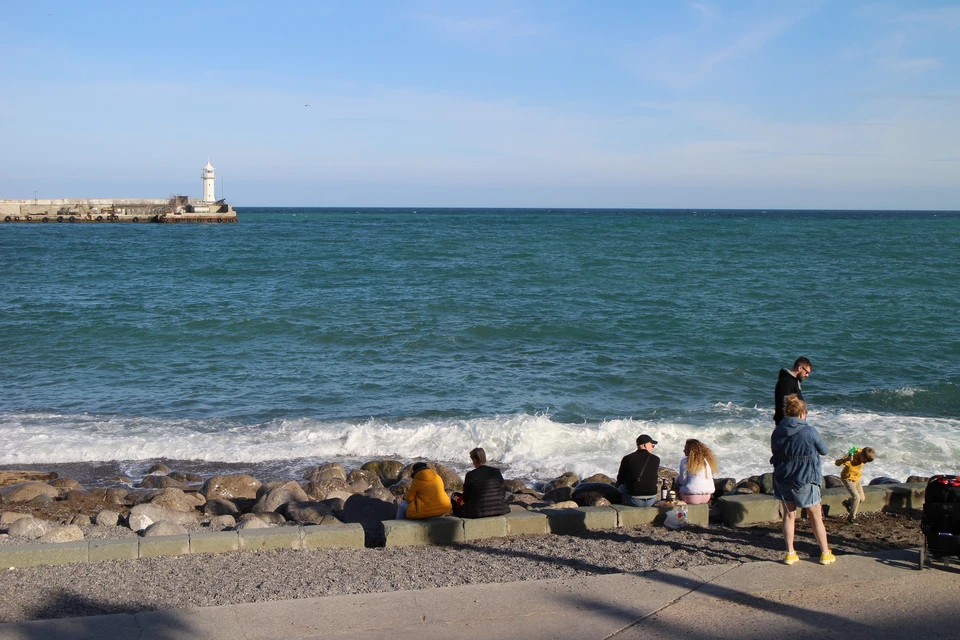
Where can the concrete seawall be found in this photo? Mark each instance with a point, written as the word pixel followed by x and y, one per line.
pixel 109 210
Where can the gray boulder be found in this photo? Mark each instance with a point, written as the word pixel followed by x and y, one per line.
pixel 9 517
pixel 66 533
pixel 766 483
pixel 521 498
pixel 222 522
pixel 236 485
pixel 831 482
pixel 331 470
pixel 252 523
pixel 161 482
pixel 361 481
pixel 400 487
pixel 115 495
pixel 186 478
pixel 107 518
pixel 144 515
pixel 30 527
pixel 275 498
pixel 380 494
pixel 319 489
pixel 558 494
pixel 586 494
pixel 164 528
pixel 159 469
pixel 746 487
pixel 307 512
pixel 514 485
pixel 884 480
pixel 723 486
pixel 269 517
pixel 599 477
pixel 220 507
pixel 385 469
pixel 175 499
pixel 923 479
pixel 66 484
pixel 81 520
pixel 26 491
pixel 568 479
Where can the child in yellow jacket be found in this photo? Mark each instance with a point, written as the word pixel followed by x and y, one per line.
pixel 851 475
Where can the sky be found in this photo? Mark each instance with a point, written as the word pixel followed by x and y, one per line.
pixel 831 104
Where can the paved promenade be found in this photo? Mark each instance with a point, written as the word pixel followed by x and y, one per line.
pixel 860 597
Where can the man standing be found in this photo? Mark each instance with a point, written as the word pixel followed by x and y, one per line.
pixel 637 477
pixel 484 491
pixel 789 384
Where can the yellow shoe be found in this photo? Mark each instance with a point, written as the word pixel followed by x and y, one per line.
pixel 827 557
pixel 791 558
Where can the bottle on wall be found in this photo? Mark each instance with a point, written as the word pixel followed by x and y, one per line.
pixel 664 490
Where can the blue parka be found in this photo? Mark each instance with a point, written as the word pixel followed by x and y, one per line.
pixel 797 448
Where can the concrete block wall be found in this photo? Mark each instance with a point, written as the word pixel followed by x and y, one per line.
pixel 746 510
pixel 738 511
pixel 291 537
pixel 448 529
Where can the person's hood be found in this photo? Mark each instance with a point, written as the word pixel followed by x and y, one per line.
pixel 427 475
pixel 785 373
pixel 791 425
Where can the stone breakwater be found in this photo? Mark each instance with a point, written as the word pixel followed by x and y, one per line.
pixel 40 507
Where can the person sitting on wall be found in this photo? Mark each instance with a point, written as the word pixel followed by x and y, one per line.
pixel 426 497
pixel 484 491
pixel 695 480
pixel 637 477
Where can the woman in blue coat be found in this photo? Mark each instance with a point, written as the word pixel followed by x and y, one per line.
pixel 798 474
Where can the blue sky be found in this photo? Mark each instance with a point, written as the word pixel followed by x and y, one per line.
pixel 555 103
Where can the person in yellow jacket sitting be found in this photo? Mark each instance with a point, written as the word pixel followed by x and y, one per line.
pixel 426 497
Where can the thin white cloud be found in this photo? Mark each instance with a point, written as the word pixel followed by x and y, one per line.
pixel 498 34
pixel 685 59
pixel 945 18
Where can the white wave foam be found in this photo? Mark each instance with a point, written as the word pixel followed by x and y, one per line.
pixel 534 447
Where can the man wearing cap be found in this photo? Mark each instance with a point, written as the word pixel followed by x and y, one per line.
pixel 637 477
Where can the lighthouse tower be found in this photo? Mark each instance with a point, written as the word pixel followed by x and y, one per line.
pixel 209 179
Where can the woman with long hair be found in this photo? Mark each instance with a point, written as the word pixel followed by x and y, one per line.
pixel 695 482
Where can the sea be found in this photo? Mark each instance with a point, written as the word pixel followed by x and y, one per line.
pixel 550 337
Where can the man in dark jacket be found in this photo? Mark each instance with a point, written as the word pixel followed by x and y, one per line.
pixel 484 491
pixel 637 477
pixel 788 384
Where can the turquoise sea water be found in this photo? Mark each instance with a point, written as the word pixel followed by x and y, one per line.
pixel 552 338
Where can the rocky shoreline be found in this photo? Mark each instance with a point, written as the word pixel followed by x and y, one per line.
pixel 42 506
pixel 167 501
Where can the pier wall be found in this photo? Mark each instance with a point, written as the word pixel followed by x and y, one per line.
pixel 115 209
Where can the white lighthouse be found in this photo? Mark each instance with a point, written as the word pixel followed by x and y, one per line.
pixel 209 179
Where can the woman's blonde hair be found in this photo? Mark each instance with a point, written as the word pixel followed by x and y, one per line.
pixel 698 456
pixel 793 405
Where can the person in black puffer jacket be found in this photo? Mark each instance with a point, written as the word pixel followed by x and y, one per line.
pixel 484 491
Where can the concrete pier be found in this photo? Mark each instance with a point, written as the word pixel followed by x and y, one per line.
pixel 110 210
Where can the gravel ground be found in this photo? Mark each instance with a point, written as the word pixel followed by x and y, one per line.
pixel 217 579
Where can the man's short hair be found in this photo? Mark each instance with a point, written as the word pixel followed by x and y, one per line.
pixel 479 456
pixel 867 454
pixel 802 361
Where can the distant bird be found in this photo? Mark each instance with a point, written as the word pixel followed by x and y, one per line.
pixel 306 105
